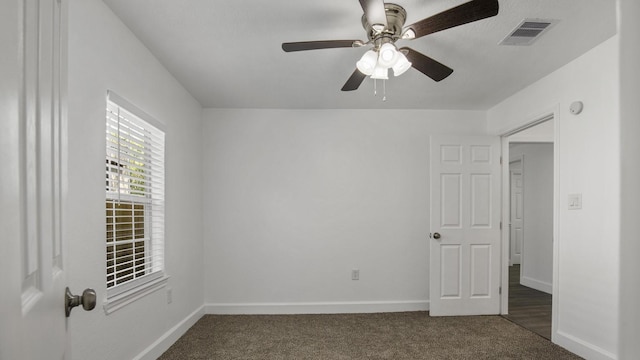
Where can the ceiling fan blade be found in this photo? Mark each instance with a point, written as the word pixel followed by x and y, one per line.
pixel 354 81
pixel 322 44
pixel 427 65
pixel 374 12
pixel 463 14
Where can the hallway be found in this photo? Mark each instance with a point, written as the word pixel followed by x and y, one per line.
pixel 528 307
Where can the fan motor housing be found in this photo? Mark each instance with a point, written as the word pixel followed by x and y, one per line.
pixel 396 16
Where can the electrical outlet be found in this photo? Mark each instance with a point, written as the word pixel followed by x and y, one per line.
pixel 169 295
pixel 355 274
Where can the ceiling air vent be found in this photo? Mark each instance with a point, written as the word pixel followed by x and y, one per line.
pixel 528 31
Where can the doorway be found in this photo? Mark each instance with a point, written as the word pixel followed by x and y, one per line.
pixel 530 220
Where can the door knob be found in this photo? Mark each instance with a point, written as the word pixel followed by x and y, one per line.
pixel 87 300
pixel 436 236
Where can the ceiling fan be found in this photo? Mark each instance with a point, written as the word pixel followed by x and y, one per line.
pixel 384 24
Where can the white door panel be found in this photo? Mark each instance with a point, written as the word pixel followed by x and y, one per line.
pixel 516 219
pixel 450 265
pixel 34 295
pixel 465 212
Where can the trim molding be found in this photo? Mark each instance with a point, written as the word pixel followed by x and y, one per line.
pixel 581 347
pixel 170 337
pixel 315 307
pixel 537 284
pixel 121 300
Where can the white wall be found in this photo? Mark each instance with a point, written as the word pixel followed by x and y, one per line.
pixel 588 240
pixel 103 54
pixel 536 269
pixel 629 29
pixel 295 199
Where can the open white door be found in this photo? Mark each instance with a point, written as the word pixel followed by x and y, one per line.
pixel 516 213
pixel 465 226
pixel 33 144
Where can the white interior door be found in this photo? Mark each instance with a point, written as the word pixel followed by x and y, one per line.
pixel 465 225
pixel 516 215
pixel 33 322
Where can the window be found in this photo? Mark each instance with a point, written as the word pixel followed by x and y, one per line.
pixel 134 198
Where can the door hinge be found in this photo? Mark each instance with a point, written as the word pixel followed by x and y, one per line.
pixel 500 290
pixel 500 225
pixel 500 160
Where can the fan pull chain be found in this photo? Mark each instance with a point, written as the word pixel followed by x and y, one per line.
pixel 384 90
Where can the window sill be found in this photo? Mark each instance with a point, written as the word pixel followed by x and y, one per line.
pixel 119 301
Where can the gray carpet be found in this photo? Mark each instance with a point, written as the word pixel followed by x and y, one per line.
pixel 409 335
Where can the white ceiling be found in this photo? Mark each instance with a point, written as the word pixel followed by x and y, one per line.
pixel 228 54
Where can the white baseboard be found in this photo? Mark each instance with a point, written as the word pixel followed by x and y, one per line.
pixel 171 336
pixel 315 308
pixel 581 347
pixel 537 284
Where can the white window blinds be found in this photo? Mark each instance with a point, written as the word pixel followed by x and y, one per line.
pixel 134 197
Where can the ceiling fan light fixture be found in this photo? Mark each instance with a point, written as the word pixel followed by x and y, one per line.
pixel 384 24
pixel 402 65
pixel 388 55
pixel 368 62
pixel 381 73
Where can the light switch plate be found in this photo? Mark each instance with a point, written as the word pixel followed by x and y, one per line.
pixel 575 201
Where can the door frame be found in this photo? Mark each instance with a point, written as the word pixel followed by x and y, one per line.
pixel 552 113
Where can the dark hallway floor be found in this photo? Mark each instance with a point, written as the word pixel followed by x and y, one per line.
pixel 528 307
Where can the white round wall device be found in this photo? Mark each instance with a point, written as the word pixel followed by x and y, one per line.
pixel 576 107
